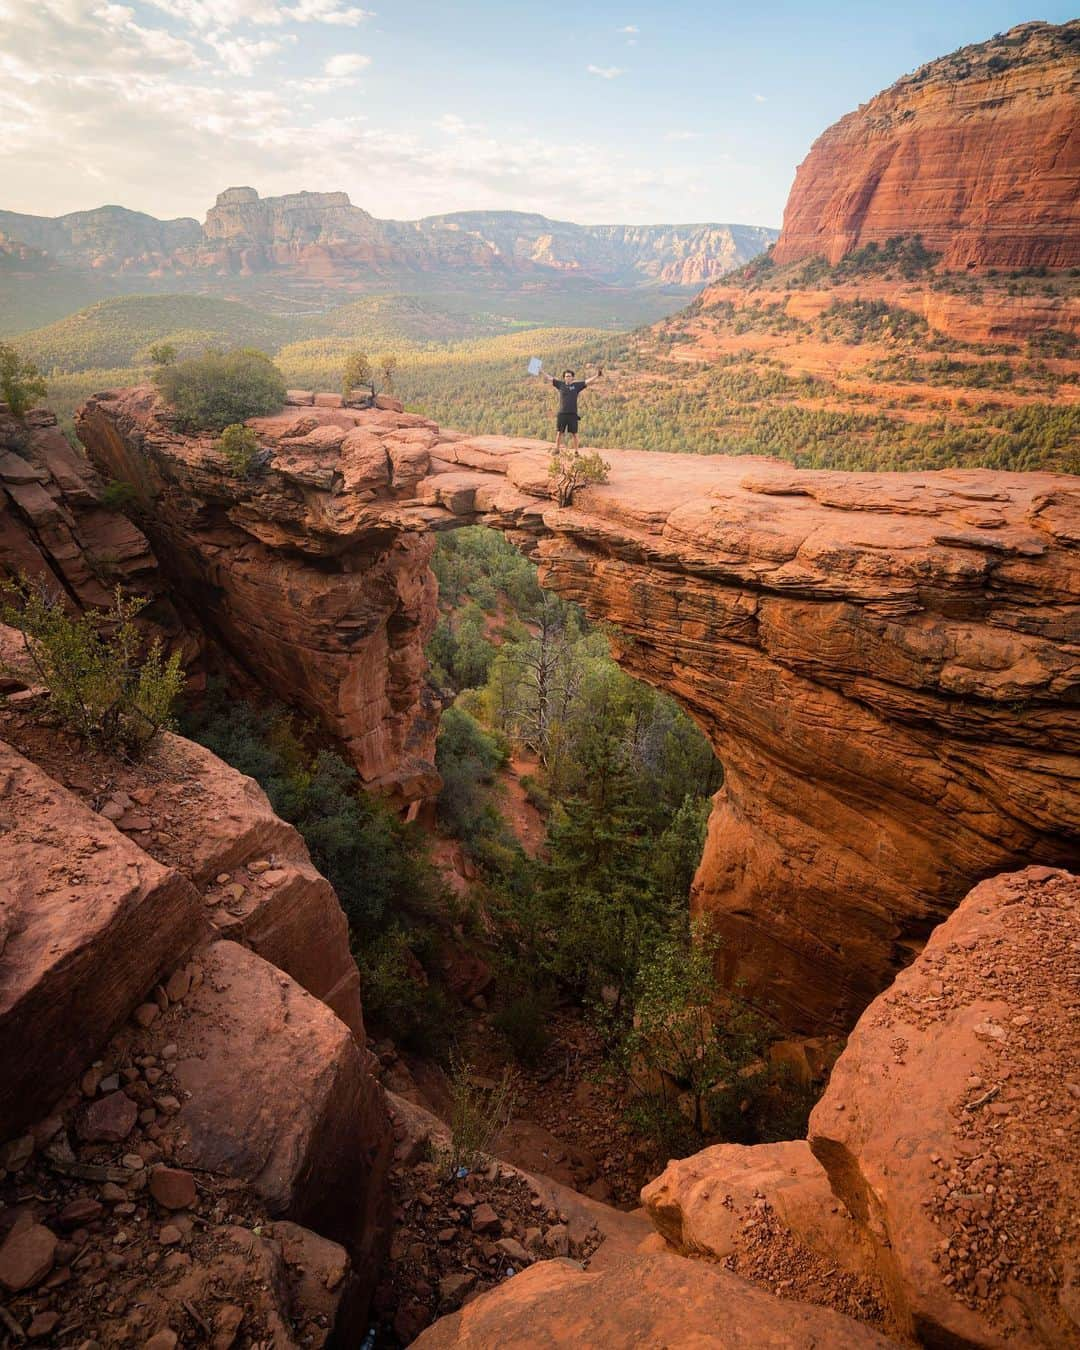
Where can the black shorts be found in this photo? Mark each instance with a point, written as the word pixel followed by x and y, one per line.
pixel 566 422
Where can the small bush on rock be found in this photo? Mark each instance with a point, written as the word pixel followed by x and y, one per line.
pixel 212 391
pixel 103 680
pixel 118 495
pixel 524 1024
pixel 239 445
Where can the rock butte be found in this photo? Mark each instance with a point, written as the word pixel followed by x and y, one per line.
pixel 888 665
pixel 977 152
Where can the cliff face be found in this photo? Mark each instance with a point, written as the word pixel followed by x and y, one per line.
pixel 303 574
pixel 978 152
pixel 888 665
pixel 55 528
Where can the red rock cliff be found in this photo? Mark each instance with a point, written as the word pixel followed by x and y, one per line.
pixel 303 574
pixel 887 664
pixel 979 152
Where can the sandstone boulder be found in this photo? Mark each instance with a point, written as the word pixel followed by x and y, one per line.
pixel 88 921
pixel 646 1299
pixel 276 1093
pixel 701 1204
pixel 951 1122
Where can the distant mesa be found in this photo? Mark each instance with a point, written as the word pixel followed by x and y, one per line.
pixel 322 236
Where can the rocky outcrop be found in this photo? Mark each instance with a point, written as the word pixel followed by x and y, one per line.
pixel 322 236
pixel 644 1299
pixel 87 921
pixel 886 664
pixel 56 528
pixel 220 1066
pixel 304 574
pixel 950 1125
pixel 938 1190
pixel 978 152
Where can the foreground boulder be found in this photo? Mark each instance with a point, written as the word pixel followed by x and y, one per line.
pixel 951 1125
pixel 88 923
pixel 767 1212
pixel 191 812
pixel 641 1300
pixel 273 1090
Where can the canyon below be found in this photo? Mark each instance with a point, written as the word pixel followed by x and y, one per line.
pixel 571 898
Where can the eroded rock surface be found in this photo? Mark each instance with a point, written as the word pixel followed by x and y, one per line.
pixel 886 664
pixel 299 573
pixel 643 1299
pixel 88 922
pixel 55 528
pixel 951 1122
pixel 977 152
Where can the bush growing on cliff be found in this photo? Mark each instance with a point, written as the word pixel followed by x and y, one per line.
pixel 104 681
pixel 570 470
pixel 239 445
pixel 212 391
pixel 21 383
pixel 374 862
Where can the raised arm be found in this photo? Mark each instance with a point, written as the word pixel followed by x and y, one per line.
pixel 598 376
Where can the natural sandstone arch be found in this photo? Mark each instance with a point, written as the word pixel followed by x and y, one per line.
pixel 888 665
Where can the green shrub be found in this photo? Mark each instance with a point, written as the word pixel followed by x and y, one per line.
pixel 239 445
pixel 212 391
pixel 162 353
pixel 103 680
pixel 523 1021
pixel 377 865
pixel 477 1114
pixel 399 997
pixel 118 495
pixel 21 383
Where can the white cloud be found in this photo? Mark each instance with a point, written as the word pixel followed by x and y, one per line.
pixel 606 72
pixel 240 55
pixel 631 30
pixel 328 11
pixel 346 63
pixel 683 136
pixel 760 98
pixel 217 14
pixel 97 103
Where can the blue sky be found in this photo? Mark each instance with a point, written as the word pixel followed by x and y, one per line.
pixel 602 112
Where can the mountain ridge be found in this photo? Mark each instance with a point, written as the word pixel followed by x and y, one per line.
pixel 323 234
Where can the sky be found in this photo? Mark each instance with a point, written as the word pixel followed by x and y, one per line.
pixel 600 112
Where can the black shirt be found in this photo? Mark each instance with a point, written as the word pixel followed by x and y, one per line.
pixel 568 395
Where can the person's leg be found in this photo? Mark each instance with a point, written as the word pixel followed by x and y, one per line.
pixel 573 438
pixel 558 439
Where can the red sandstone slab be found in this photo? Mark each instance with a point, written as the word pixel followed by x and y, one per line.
pixel 88 923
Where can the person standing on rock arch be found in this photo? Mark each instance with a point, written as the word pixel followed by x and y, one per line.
pixel 566 419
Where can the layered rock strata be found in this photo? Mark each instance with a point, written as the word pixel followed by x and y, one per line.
pixel 299 573
pixel 56 528
pixel 887 665
pixel 977 152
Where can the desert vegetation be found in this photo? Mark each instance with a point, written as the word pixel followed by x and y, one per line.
pixel 104 680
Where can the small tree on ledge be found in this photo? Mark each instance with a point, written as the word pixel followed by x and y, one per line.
pixel 361 372
pixel 570 470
